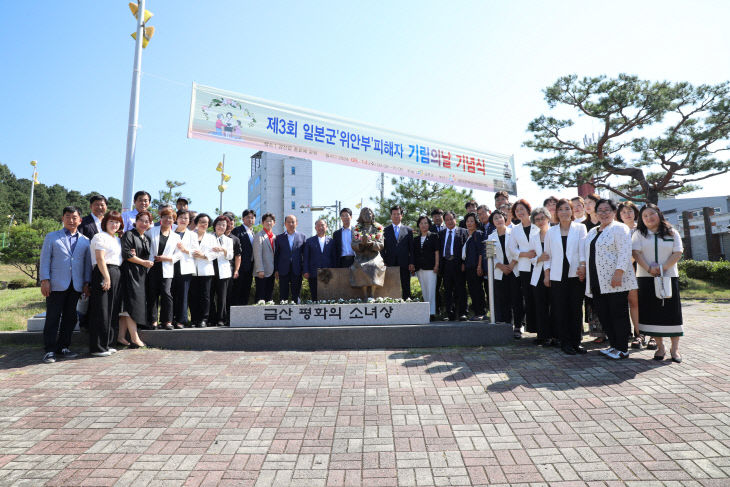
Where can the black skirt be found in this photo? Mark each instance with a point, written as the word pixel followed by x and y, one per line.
pixel 657 317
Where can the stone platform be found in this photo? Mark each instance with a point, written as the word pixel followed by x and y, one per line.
pixel 362 314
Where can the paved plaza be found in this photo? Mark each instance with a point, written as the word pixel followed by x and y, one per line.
pixel 514 415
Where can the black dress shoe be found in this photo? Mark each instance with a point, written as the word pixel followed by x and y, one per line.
pixel 581 350
pixel 203 324
pixel 568 350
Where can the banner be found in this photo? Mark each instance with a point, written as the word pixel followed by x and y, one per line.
pixel 235 119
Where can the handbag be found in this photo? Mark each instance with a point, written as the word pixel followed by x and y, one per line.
pixel 662 285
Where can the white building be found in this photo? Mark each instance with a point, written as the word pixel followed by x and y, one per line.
pixel 281 185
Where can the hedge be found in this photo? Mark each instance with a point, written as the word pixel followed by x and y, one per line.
pixel 716 272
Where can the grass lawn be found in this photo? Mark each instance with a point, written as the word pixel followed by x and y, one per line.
pixel 699 289
pixel 17 305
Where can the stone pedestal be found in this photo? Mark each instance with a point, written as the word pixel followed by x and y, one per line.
pixel 333 283
pixel 37 322
pixel 374 314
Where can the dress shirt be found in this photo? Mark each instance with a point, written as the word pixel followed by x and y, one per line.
pixel 321 242
pixel 446 239
pixel 71 239
pixel 347 242
pixel 249 232
pixel 129 217
pixel 290 238
pixel 97 221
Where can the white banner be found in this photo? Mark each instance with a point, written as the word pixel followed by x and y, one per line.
pixel 236 119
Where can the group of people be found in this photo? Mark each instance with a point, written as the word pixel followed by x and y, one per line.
pixel 550 262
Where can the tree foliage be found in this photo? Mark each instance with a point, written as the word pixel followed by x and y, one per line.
pixel 419 197
pixel 48 201
pixel 169 195
pixel 24 246
pixel 655 138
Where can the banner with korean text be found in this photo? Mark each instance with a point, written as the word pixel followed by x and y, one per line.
pixel 236 119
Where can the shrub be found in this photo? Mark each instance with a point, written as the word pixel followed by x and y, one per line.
pixel 716 272
pixel 20 284
pixel 683 280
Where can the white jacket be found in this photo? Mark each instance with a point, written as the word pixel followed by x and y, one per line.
pixel 187 261
pixel 170 250
pixel 554 248
pixel 499 252
pixel 538 266
pixel 519 243
pixel 613 252
pixel 224 267
pixel 204 267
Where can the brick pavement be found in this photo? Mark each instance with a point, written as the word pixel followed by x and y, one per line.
pixel 516 415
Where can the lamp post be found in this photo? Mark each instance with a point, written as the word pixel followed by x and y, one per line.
pixel 337 206
pixel 224 179
pixel 33 181
pixel 141 37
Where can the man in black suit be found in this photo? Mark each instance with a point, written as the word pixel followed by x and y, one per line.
pixel 344 255
pixel 437 216
pixel 470 207
pixel 452 241
pixel 398 249
pixel 91 223
pixel 319 253
pixel 244 232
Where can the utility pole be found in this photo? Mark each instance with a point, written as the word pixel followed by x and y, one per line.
pixel 33 181
pixel 382 186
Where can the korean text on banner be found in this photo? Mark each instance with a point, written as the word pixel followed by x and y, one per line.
pixel 237 119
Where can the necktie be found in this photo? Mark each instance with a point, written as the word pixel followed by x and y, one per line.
pixel 447 250
pixel 395 227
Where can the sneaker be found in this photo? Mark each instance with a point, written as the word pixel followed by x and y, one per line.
pixel 112 350
pixel 616 355
pixel 66 353
pixel 518 333
pixel 49 358
pixel 101 354
pixel 607 351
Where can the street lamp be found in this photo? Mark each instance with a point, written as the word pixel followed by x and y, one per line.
pixel 33 182
pixel 336 207
pixel 224 179
pixel 141 37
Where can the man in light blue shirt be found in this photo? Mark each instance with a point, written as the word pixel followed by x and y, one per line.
pixel 344 255
pixel 65 272
pixel 142 200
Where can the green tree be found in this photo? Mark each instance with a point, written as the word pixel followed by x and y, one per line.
pixel 418 197
pixel 169 195
pixel 655 138
pixel 25 242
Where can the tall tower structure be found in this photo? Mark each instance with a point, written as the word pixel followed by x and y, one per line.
pixel 281 185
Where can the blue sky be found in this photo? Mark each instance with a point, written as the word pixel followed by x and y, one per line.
pixel 469 73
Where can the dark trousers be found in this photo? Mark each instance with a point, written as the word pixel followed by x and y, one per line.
pixel 346 261
pixel 290 283
pixel 454 292
pixel 221 300
pixel 507 300
pixel 543 323
pixel 103 311
pixel 476 291
pixel 180 290
pixel 200 298
pixel 159 289
pixel 613 311
pixel 264 288
pixel 567 298
pixel 313 287
pixel 528 303
pixel 242 288
pixel 405 282
pixel 439 290
pixel 60 310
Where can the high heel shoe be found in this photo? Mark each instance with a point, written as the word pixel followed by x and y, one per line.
pixel 658 357
pixel 122 344
pixel 676 358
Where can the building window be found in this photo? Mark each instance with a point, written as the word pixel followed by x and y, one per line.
pixel 293 191
pixel 293 205
pixel 293 170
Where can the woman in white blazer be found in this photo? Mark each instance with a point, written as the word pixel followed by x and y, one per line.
pixel 609 275
pixel 204 271
pixel 164 254
pixel 507 302
pixel 263 259
pixel 184 269
pixel 522 234
pixel 563 243
pixel 546 331
pixel 223 253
